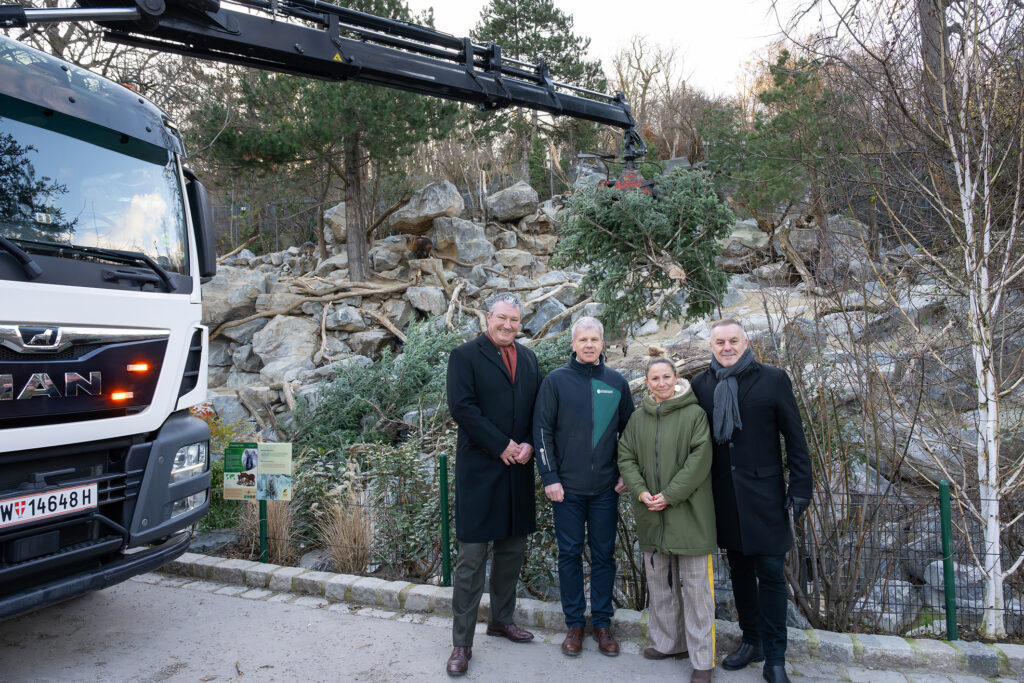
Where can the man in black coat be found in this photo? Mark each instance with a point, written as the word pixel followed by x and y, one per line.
pixel 749 406
pixel 492 386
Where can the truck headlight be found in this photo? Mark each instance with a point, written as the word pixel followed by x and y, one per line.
pixel 190 461
pixel 188 503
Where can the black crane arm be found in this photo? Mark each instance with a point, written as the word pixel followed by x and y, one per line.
pixel 317 39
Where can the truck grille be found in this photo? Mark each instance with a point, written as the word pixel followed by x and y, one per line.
pixel 32 553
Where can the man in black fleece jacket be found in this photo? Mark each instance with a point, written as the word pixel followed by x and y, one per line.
pixel 581 409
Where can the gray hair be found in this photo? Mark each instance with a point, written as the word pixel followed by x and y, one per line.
pixel 587 322
pixel 724 322
pixel 504 298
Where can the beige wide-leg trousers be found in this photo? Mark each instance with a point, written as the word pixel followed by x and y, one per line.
pixel 682 612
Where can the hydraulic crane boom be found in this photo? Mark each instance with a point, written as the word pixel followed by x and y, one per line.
pixel 319 40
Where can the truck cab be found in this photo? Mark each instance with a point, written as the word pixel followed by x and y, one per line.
pixel 105 239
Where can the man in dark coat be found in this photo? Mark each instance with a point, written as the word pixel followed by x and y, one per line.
pixel 749 405
pixel 492 386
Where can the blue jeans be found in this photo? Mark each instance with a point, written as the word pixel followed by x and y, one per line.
pixel 595 516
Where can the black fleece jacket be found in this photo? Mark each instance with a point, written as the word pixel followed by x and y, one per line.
pixel 580 411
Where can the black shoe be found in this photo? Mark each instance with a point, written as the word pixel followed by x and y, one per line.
pixel 745 654
pixel 775 673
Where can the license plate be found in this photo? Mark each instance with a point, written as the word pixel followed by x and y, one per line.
pixel 33 507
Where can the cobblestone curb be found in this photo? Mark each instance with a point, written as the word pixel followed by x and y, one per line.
pixel 324 588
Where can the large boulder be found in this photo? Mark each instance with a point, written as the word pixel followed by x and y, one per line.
pixel 388 254
pixel 231 294
pixel 220 352
pixel 430 300
pixel 542 313
pixel 370 342
pixel 245 360
pixel 746 239
pixel 334 263
pixel 277 300
pixel 346 319
pixel 536 222
pixel 512 203
pixel 285 370
pixel 515 258
pixel 538 244
pixel 398 311
pixel 243 333
pixel 335 227
pixel 229 408
pixel 506 239
pixel 286 338
pixel 462 240
pixel 434 200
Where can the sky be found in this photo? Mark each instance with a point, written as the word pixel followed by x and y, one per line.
pixel 713 37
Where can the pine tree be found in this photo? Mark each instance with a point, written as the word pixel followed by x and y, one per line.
pixel 328 132
pixel 648 255
pixel 533 30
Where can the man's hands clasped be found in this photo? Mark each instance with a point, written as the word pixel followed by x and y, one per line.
pixel 516 453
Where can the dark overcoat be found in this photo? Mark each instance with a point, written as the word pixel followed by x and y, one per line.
pixel 747 473
pixel 492 500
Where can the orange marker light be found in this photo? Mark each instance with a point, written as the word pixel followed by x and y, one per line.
pixel 138 367
pixel 121 395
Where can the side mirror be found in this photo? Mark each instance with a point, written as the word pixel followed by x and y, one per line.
pixel 202 221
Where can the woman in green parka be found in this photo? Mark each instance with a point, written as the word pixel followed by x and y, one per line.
pixel 665 460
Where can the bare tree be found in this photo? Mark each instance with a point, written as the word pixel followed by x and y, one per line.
pixel 939 118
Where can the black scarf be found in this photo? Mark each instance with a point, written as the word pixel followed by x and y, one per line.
pixel 726 416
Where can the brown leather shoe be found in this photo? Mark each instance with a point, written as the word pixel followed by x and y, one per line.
pixel 510 631
pixel 701 676
pixel 458 663
pixel 573 643
pixel 606 642
pixel 651 653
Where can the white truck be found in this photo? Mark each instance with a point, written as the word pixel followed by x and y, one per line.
pixel 104 241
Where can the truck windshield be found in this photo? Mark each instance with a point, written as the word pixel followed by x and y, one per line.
pixel 71 182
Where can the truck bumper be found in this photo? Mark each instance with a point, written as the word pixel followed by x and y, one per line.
pixel 68 587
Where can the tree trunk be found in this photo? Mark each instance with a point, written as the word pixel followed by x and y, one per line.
pixel 321 238
pixel 931 16
pixel 355 231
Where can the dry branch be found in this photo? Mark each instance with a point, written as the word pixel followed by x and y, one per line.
pixel 452 303
pixel 239 248
pixel 793 256
pixel 388 211
pixel 556 319
pixel 286 389
pixel 252 408
pixel 318 299
pixel 550 294
pixel 383 320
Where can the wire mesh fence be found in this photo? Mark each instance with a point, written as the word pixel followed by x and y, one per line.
pixel 863 563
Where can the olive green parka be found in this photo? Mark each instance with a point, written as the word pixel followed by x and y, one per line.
pixel 666 448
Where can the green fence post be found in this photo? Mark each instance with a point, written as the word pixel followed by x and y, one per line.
pixel 948 579
pixel 446 554
pixel 263 532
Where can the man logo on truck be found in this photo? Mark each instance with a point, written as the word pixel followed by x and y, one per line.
pixel 40 384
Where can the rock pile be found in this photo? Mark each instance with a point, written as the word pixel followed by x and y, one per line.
pixel 282 322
